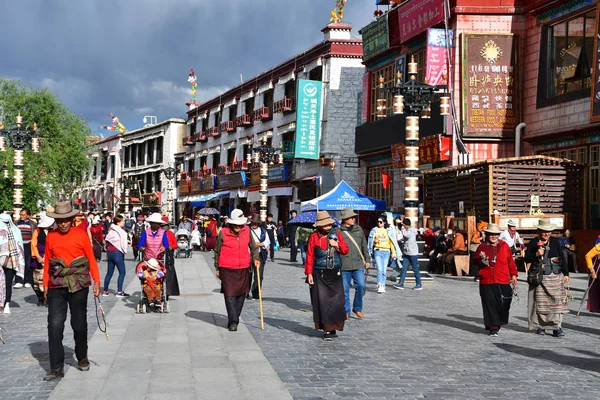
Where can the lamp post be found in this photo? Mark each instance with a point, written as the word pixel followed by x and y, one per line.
pixel 18 139
pixel 416 97
pixel 170 173
pixel 127 183
pixel 265 155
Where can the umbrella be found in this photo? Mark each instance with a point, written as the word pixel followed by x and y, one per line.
pixel 208 211
pixel 308 217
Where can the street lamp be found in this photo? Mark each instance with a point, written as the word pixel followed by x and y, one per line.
pixel 127 183
pixel 171 173
pixel 265 155
pixel 415 98
pixel 18 139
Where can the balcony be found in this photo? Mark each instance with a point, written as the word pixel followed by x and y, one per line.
pixel 262 114
pixel 197 137
pixel 184 176
pixel 214 131
pixel 243 120
pixel 227 126
pixel 239 166
pixel 283 106
pixel 187 141
pixel 205 172
pixel 150 200
pixel 223 169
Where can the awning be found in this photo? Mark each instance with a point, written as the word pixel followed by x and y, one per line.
pixel 253 196
pixel 240 193
pixel 286 78
pixel 281 191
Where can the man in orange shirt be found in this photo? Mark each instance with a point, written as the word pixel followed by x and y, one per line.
pixel 69 267
pixel 458 248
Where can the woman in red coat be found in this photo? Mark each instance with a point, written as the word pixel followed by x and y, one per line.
pixel 211 233
pixel 497 270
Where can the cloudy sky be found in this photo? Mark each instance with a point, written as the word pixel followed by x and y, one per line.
pixel 132 57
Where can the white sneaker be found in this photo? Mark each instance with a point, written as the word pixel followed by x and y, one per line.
pixel 380 288
pixel 7 309
pixel 18 286
pixel 27 285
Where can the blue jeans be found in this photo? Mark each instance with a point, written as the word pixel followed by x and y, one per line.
pixel 115 258
pixel 302 247
pixel 382 258
pixel 358 276
pixel 414 261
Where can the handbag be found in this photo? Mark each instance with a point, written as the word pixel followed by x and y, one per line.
pixel 535 275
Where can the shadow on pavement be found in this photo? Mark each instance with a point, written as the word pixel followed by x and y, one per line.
pixel 586 364
pixel 292 326
pixel 39 351
pixel 218 320
pixel 451 324
pixel 510 326
pixel 31 299
pixel 294 304
pixel 132 301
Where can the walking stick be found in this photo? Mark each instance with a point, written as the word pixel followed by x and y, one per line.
pixel 587 290
pixel 262 318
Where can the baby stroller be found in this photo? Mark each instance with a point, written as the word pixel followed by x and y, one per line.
pixel 184 243
pixel 147 271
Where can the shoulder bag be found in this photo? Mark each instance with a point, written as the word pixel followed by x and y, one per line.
pixel 357 247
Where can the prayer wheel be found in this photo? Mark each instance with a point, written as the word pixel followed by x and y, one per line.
pixel 412 158
pixel 412 128
pixel 398 104
pixel 411 191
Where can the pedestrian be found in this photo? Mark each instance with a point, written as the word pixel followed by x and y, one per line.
pixel 477 238
pixel 153 242
pixel 458 248
pixel 291 237
pixel 2 290
pixel 354 264
pixel 136 233
pixel 116 246
pixel 383 246
pixel 69 267
pixel 262 240
pixel 323 275
pixel 82 223
pixel 593 304
pixel 497 271
pixel 171 273
pixel 568 248
pixel 27 227
pixel 271 229
pixel 545 303
pixel 281 234
pixel 302 235
pixel 107 222
pixel 185 223
pixel 410 254
pixel 211 233
pixel 235 250
pixel 97 238
pixel 11 255
pixel 38 250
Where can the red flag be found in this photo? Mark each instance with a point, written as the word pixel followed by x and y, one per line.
pixel 77 201
pixel 385 180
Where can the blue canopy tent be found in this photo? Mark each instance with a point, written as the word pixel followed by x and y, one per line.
pixel 340 197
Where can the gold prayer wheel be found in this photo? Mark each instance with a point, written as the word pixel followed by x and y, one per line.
pixel 169 184
pixel 398 104
pixel 381 108
pixel 426 112
pixel 263 215
pixel 411 190
pixel 35 145
pixel 411 213
pixel 264 170
pixel 263 200
pixel 412 128
pixel 256 157
pixel 2 144
pixel 412 158
pixel 249 158
pixel 18 196
pixel 444 105
pixel 412 66
pixel 18 177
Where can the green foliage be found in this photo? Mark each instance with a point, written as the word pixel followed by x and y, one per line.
pixel 59 167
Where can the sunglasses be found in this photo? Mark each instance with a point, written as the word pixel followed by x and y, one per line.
pixel 380 222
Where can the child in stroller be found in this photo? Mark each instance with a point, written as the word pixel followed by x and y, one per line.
pixel 152 276
pixel 184 243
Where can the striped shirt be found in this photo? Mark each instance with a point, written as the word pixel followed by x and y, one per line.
pixel 26 228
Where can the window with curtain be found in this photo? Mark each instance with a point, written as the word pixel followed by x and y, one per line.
pixel 375 183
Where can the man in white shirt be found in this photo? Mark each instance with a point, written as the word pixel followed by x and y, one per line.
pixel 260 236
pixel 511 237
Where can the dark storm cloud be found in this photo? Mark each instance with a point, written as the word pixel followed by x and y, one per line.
pixel 131 57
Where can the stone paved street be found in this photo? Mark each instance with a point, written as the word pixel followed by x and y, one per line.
pixel 428 344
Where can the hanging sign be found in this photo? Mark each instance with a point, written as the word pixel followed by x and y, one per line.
pixel 416 16
pixel 375 37
pixel 308 119
pixel 436 66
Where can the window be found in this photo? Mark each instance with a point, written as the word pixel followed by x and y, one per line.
pixel 216 160
pixel 566 60
pixel 150 152
pixel 594 169
pixel 192 131
pixel 203 162
pixel 126 156
pixel 159 149
pixel 133 155
pixel 388 74
pixel 190 166
pixel 232 112
pixel 231 156
pixel 141 158
pixel 375 184
pixel 217 119
pixel 204 125
pixel 268 99
pixel 290 89
pixel 112 166
pixel 316 74
pixel 249 106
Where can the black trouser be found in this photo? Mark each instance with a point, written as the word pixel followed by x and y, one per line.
pixel 272 239
pixel 9 274
pixel 58 301
pixel 234 305
pixel 254 286
pixel 293 248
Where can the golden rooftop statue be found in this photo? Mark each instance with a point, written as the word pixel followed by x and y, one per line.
pixel 338 12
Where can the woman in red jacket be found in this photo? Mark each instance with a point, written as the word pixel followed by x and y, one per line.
pixel 497 270
pixel 235 249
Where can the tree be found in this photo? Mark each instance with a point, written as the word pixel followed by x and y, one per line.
pixel 60 166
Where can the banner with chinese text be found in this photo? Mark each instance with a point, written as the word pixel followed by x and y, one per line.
pixel 308 119
pixel 375 37
pixel 491 107
pixel 436 66
pixel 417 15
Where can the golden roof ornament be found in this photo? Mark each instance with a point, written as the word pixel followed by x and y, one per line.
pixel 338 12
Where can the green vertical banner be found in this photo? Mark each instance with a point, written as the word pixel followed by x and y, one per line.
pixel 308 119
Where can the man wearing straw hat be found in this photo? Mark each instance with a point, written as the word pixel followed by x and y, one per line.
pixel 546 300
pixel 69 267
pixel 235 250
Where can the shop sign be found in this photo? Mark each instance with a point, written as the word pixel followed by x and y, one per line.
pixel 184 188
pixel 195 186
pixel 431 149
pixel 254 177
pixel 278 173
pixel 490 100
pixel 375 37
pixel 436 66
pixel 418 15
pixel 595 96
pixel 398 155
pixel 308 119
pixel 208 184
pixel 235 180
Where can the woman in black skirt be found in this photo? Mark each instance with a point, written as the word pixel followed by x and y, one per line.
pixel 322 269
